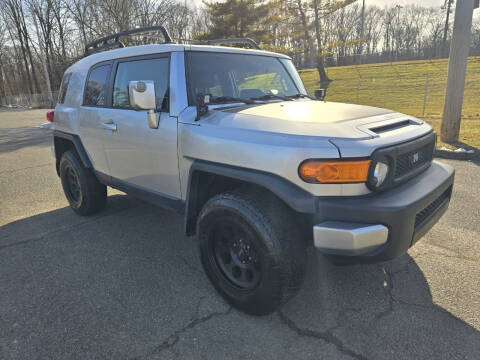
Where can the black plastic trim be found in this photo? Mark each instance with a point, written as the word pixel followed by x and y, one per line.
pixel 395 208
pixel 390 154
pixel 75 139
pixel 246 41
pixel 104 44
pixel 152 197
pixel 298 199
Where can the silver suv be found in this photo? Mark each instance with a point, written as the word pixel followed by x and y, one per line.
pixel 229 138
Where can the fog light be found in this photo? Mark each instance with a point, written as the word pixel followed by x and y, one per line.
pixel 380 174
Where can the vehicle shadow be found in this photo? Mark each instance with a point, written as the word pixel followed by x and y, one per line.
pixel 455 156
pixel 124 280
pixel 12 139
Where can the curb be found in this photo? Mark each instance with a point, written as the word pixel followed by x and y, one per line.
pixel 452 155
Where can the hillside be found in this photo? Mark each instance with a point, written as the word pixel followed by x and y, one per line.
pixel 401 86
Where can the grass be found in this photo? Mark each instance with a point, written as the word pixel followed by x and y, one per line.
pixel 400 86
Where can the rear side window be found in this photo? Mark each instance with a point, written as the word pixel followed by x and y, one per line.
pixel 63 88
pixel 151 69
pixel 95 91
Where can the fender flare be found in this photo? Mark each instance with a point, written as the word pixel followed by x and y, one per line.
pixel 295 197
pixel 75 139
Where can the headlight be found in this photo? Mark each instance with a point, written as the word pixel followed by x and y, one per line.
pixel 380 173
pixel 334 171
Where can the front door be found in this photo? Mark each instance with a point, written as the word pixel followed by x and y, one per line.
pixel 138 155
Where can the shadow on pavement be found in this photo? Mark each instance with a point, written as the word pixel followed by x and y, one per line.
pixel 127 283
pixel 17 138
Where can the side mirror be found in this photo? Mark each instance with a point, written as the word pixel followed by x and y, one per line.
pixel 142 97
pixel 142 94
pixel 320 94
pixel 202 104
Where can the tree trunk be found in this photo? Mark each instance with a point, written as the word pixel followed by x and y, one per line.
pixel 306 35
pixel 320 64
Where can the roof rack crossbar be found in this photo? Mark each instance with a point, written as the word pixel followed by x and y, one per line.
pixel 103 43
pixel 247 41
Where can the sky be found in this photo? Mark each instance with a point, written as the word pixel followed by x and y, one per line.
pixel 382 3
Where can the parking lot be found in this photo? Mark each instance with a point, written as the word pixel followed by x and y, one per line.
pixel 127 284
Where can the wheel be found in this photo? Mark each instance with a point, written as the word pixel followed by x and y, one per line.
pixel 84 192
pixel 251 250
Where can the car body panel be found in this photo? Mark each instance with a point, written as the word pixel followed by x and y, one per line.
pixel 275 136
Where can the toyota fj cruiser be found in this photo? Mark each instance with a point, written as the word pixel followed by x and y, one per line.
pixel 230 138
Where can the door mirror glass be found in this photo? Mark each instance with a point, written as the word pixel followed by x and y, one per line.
pixel 142 94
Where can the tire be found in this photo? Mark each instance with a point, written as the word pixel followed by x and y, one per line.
pixel 239 234
pixel 84 192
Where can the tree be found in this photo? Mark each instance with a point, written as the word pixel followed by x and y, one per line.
pixel 324 9
pixel 237 18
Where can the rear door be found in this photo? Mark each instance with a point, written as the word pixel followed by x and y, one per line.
pixel 138 155
pixel 91 114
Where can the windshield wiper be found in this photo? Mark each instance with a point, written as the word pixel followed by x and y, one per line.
pixel 271 97
pixel 228 99
pixel 297 96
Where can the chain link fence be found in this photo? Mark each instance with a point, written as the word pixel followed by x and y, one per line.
pixel 29 100
pixel 416 88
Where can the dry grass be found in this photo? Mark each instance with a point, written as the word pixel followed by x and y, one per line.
pixel 400 86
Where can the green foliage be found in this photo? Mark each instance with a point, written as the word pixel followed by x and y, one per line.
pixel 238 18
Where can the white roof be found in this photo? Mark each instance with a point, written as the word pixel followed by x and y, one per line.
pixel 85 63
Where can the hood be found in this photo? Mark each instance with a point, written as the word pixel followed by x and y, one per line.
pixel 303 117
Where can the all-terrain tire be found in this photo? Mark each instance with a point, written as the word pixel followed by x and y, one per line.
pixel 268 225
pixel 84 192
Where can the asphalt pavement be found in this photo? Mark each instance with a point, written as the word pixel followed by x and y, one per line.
pixel 127 284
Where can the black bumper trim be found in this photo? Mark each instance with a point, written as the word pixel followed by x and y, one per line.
pixel 396 208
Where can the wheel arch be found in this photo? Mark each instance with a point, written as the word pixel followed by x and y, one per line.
pixel 207 179
pixel 63 141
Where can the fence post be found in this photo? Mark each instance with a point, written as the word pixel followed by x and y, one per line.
pixel 358 89
pixel 425 95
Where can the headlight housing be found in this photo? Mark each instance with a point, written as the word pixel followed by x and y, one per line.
pixel 380 173
pixel 334 171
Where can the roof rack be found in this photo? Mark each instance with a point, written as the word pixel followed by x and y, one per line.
pixel 227 41
pixel 104 44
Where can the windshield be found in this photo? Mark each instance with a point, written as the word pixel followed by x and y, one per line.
pixel 241 76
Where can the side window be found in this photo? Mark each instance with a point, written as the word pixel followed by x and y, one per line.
pixel 152 69
pixel 96 85
pixel 63 88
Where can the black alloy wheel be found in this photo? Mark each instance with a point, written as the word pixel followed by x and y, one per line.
pixel 73 184
pixel 234 253
pixel 251 250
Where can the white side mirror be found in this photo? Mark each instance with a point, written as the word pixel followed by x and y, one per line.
pixel 142 94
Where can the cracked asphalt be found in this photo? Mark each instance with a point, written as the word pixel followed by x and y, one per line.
pixel 126 283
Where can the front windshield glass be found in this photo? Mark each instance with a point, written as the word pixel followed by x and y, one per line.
pixel 239 76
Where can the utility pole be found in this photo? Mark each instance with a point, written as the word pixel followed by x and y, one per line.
pixel 457 68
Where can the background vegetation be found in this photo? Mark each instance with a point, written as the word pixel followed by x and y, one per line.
pixel 39 39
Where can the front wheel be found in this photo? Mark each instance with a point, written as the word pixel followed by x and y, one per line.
pixel 251 250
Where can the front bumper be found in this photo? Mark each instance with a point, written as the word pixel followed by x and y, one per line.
pixel 407 212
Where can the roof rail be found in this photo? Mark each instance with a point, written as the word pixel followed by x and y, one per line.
pixel 104 44
pixel 247 41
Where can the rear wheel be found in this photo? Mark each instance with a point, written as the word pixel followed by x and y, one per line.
pixel 251 250
pixel 84 192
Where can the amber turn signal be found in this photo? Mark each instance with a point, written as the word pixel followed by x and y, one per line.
pixel 326 171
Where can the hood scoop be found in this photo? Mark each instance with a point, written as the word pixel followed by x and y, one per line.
pixel 382 127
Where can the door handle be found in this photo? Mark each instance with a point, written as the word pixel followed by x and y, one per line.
pixel 109 126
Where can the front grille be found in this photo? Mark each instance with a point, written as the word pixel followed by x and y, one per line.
pixel 429 210
pixel 413 160
pixel 407 160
